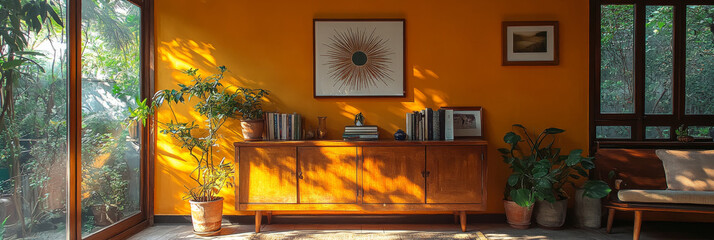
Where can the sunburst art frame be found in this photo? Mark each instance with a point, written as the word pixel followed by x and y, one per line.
pixel 359 58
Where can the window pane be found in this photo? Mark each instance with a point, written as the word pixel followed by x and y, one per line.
pixel 616 50
pixel 659 132
pixel 700 60
pixel 33 126
pixel 700 131
pixel 658 60
pixel 110 85
pixel 613 132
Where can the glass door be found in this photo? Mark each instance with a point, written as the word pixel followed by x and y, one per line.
pixel 72 163
pixel 111 151
pixel 33 119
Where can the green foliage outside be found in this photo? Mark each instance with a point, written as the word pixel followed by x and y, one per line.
pixel 617 69
pixel 33 120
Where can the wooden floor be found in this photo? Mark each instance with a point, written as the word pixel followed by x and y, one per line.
pixel 481 231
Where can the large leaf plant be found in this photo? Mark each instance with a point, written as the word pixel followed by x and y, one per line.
pixel 539 172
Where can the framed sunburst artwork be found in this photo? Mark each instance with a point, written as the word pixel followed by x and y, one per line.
pixel 359 58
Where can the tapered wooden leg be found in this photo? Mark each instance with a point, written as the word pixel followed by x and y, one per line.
pixel 462 215
pixel 258 218
pixel 610 219
pixel 456 217
pixel 638 225
pixel 270 217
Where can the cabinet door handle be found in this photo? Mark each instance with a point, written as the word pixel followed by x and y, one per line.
pixel 299 175
pixel 425 173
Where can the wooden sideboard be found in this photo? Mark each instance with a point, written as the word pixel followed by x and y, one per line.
pixel 389 176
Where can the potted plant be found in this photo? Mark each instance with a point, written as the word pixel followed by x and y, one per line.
pixel 527 181
pixel 588 206
pixel 217 104
pixel 540 174
pixel 683 134
pixel 249 107
pixel 566 170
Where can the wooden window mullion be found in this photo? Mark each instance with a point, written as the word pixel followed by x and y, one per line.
pixel 639 65
pixel 680 56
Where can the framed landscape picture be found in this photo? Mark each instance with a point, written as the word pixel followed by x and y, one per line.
pixel 530 43
pixel 359 58
pixel 468 122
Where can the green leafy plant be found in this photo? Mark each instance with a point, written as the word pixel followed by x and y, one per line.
pixel 217 104
pixel 105 165
pixel 22 71
pixel 249 106
pixel 540 172
pixel 682 131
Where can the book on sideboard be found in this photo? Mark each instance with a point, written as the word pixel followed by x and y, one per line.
pixel 283 126
pixel 365 132
pixel 429 125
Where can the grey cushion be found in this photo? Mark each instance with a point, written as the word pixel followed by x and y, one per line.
pixel 667 196
pixel 688 170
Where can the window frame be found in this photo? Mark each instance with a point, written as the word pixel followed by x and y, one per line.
pixel 639 120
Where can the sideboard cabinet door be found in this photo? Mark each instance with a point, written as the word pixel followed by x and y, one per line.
pixel 327 174
pixel 455 174
pixel 393 174
pixel 267 175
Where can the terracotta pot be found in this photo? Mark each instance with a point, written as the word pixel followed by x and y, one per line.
pixel 517 216
pixel 551 215
pixel 252 129
pixel 685 138
pixel 588 211
pixel 206 216
pixel 105 215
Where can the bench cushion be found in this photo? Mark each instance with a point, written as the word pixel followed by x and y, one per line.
pixel 688 170
pixel 667 196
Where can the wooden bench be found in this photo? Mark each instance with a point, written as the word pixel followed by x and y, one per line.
pixel 636 166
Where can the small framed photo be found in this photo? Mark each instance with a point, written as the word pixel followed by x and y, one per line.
pixel 359 58
pixel 530 43
pixel 468 122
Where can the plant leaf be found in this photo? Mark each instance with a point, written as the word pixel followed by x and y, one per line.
pixel 512 138
pixel 12 64
pixel 513 179
pixel 554 130
pixel 574 157
pixel 596 189
pixel 522 197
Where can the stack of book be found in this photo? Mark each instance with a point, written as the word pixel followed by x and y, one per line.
pixel 427 124
pixel 360 133
pixel 283 126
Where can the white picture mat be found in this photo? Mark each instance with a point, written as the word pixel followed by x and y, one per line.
pixel 474 132
pixel 391 31
pixel 545 56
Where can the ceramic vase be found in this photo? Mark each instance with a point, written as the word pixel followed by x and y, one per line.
pixel 321 127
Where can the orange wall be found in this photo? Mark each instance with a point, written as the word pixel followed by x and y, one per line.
pixel 453 59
